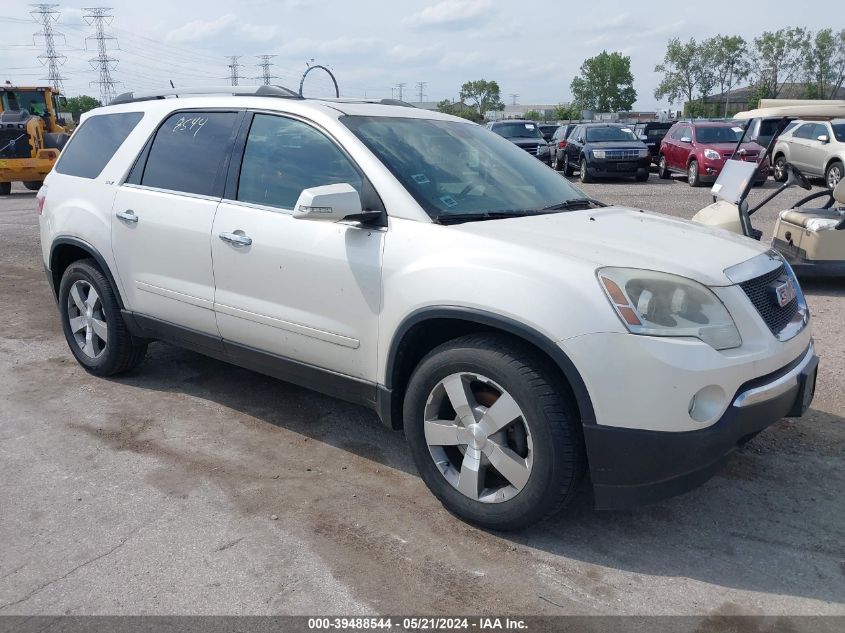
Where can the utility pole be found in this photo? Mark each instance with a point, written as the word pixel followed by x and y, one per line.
pixel 99 18
pixel 400 88
pixel 233 68
pixel 513 97
pixel 46 15
pixel 265 69
pixel 420 88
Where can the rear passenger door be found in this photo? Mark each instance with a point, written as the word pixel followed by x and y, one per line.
pixel 162 218
pixel 303 290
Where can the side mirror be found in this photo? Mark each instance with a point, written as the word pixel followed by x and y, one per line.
pixel 686 139
pixel 823 138
pixel 330 203
pixel 643 138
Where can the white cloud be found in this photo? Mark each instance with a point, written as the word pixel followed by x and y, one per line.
pixel 405 53
pixel 199 29
pixel 339 46
pixel 450 13
pixel 460 59
pixel 258 32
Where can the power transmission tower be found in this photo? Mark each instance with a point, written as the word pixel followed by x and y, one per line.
pixel 513 97
pixel 400 88
pixel 99 18
pixel 265 69
pixel 233 68
pixel 420 88
pixel 46 15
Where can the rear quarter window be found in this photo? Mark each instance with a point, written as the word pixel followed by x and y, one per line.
pixel 95 142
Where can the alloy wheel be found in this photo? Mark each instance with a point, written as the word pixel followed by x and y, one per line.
pixel 87 319
pixel 478 437
pixel 834 175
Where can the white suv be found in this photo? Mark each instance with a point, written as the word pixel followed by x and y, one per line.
pixel 517 330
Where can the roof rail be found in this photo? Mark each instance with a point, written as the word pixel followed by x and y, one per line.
pixel 238 91
pixel 395 102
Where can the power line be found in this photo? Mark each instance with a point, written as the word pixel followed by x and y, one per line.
pixel 233 68
pixel 46 15
pixel 420 88
pixel 513 97
pixel 99 18
pixel 265 69
pixel 400 88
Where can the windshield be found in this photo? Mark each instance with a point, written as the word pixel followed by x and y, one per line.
pixel 517 130
pixel 839 130
pixel 31 101
pixel 714 134
pixel 456 168
pixel 601 134
pixel 656 133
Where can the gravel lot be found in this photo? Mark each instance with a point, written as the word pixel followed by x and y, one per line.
pixel 194 487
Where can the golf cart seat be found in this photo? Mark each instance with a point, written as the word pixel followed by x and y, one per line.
pixel 819 219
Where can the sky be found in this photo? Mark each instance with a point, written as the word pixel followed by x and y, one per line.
pixel 531 49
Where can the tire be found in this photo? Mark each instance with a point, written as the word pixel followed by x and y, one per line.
pixel 5 188
pixel 584 174
pixel 556 162
pixel 545 433
pixel 56 140
pixel 642 175
pixel 780 169
pixel 833 174
pixel 33 185
pixel 663 169
pixel 568 170
pixel 693 177
pixel 115 354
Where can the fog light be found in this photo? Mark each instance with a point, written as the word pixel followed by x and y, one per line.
pixel 707 403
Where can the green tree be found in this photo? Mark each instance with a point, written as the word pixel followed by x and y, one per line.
pixel 482 95
pixel 567 112
pixel 684 73
pixel 78 105
pixel 533 115
pixel 459 109
pixel 824 64
pixel 779 57
pixel 605 84
pixel 728 58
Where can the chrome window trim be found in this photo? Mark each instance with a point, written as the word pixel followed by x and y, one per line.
pixel 173 192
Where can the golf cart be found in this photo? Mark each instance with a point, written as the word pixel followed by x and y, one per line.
pixel 811 234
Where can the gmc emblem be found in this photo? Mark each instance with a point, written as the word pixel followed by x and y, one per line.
pixel 783 291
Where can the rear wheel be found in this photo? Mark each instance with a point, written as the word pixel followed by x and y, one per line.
pixel 33 185
pixel 663 168
pixel 568 170
pixel 780 169
pixel 556 163
pixel 584 173
pixel 693 177
pixel 833 174
pixel 5 188
pixel 92 323
pixel 494 434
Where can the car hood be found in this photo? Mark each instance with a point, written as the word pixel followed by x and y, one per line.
pixel 729 147
pixel 616 145
pixel 619 236
pixel 522 140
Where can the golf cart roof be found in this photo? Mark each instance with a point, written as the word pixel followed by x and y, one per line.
pixel 824 111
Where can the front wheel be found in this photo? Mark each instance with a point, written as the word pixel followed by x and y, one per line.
pixel 693 177
pixel 584 174
pixel 33 185
pixel 833 174
pixel 642 175
pixel 92 323
pixel 495 435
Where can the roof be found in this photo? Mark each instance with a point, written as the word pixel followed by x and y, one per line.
pixel 811 111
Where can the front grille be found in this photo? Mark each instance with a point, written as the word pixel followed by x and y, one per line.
pixel 758 291
pixel 14 143
pixel 622 154
pixel 747 156
pixel 533 150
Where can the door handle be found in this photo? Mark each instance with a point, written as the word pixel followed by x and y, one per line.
pixel 128 215
pixel 236 239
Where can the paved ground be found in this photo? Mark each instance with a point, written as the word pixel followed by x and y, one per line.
pixel 155 492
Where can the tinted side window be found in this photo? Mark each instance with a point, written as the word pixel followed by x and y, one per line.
pixel 805 131
pixel 188 151
pixel 95 142
pixel 284 156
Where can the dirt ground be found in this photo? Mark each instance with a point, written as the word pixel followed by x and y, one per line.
pixel 194 487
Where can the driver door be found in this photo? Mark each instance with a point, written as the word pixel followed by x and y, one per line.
pixel 303 290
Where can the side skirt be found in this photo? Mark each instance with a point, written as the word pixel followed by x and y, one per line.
pixel 303 374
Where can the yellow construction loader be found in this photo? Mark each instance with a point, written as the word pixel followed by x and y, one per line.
pixel 32 133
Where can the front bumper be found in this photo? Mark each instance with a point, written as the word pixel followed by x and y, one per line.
pixel 609 168
pixel 630 467
pixel 710 170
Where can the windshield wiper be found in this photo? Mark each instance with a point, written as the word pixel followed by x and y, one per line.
pixel 575 203
pixel 456 218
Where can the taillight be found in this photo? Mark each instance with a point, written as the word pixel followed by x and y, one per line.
pixel 40 198
pixel 561 144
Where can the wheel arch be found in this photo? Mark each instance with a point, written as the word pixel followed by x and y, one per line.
pixel 426 328
pixel 833 159
pixel 65 250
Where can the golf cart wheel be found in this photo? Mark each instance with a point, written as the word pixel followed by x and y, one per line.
pixel 833 174
pixel 693 177
pixel 494 434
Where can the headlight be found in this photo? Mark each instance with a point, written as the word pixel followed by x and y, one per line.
pixel 660 304
pixel 712 154
pixel 643 153
pixel 598 153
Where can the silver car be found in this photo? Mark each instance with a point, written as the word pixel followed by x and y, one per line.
pixel 817 148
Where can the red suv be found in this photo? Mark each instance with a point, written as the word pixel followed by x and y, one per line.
pixel 700 149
